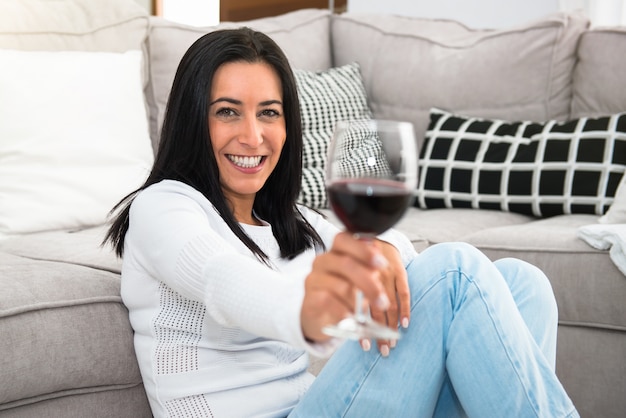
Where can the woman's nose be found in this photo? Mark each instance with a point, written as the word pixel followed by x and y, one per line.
pixel 251 133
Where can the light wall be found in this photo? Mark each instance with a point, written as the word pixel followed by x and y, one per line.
pixel 191 12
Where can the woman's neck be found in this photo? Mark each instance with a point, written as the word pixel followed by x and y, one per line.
pixel 243 212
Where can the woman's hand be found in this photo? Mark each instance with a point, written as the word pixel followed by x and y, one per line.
pixel 374 267
pixel 395 282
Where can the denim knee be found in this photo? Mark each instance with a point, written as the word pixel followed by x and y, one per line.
pixel 530 280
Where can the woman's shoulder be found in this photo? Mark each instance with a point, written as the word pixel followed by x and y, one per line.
pixel 170 186
pixel 168 193
pixel 311 215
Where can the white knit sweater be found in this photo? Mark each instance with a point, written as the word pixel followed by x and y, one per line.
pixel 217 333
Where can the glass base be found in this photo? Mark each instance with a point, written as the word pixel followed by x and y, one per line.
pixel 354 329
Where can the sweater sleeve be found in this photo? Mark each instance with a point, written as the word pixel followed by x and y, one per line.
pixel 177 241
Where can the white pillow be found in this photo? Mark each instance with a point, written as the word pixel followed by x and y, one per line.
pixel 73 137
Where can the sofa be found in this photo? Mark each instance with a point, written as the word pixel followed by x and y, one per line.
pixel 66 345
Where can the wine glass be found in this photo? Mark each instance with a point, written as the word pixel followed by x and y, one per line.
pixel 371 176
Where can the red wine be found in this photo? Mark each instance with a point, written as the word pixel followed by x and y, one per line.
pixel 368 207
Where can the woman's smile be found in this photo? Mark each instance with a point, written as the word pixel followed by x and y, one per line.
pixel 247 162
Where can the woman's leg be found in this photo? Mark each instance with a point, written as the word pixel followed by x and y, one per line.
pixel 464 326
pixel 535 301
pixel 534 298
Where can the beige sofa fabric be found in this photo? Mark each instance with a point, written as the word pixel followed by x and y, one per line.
pixel 111 25
pixel 74 247
pixel 600 72
pixel 45 25
pixel 591 380
pixel 66 342
pixel 410 66
pixel 589 283
pixel 303 35
pixel 59 320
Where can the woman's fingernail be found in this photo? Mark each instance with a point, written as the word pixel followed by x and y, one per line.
pixel 379 261
pixel 365 345
pixel 405 322
pixel 382 302
pixel 393 343
pixel 384 350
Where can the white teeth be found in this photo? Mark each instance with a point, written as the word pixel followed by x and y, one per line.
pixel 245 162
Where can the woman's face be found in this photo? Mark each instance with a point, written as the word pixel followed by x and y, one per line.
pixel 246 126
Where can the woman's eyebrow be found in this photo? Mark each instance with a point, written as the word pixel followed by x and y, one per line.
pixel 226 99
pixel 239 102
pixel 271 102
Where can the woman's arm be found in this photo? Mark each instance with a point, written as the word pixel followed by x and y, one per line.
pixel 176 239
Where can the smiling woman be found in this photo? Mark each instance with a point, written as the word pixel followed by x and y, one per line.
pixel 229 282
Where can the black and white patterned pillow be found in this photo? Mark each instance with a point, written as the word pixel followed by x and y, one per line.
pixel 361 152
pixel 540 169
pixel 326 97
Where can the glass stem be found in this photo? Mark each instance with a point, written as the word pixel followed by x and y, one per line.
pixel 359 315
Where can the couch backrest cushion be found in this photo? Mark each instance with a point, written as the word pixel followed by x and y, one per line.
pixel 85 25
pixel 410 65
pixel 74 25
pixel 599 76
pixel 303 35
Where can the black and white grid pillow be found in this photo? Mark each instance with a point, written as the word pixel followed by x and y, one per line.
pixel 540 169
pixel 326 97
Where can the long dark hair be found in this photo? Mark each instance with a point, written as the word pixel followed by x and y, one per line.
pixel 185 153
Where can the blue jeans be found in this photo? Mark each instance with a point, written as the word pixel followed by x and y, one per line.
pixel 481 343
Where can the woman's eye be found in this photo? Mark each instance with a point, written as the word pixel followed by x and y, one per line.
pixel 225 112
pixel 270 113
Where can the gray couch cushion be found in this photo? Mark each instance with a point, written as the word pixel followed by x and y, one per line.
pixel 445 225
pixel 589 288
pixel 410 65
pixel 590 364
pixel 432 226
pixel 64 332
pixel 303 35
pixel 600 69
pixel 80 247
pixel 126 403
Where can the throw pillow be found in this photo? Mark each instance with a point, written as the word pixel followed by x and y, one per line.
pixel 540 169
pixel 326 97
pixel 73 139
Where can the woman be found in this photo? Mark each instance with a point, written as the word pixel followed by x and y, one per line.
pixel 229 282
